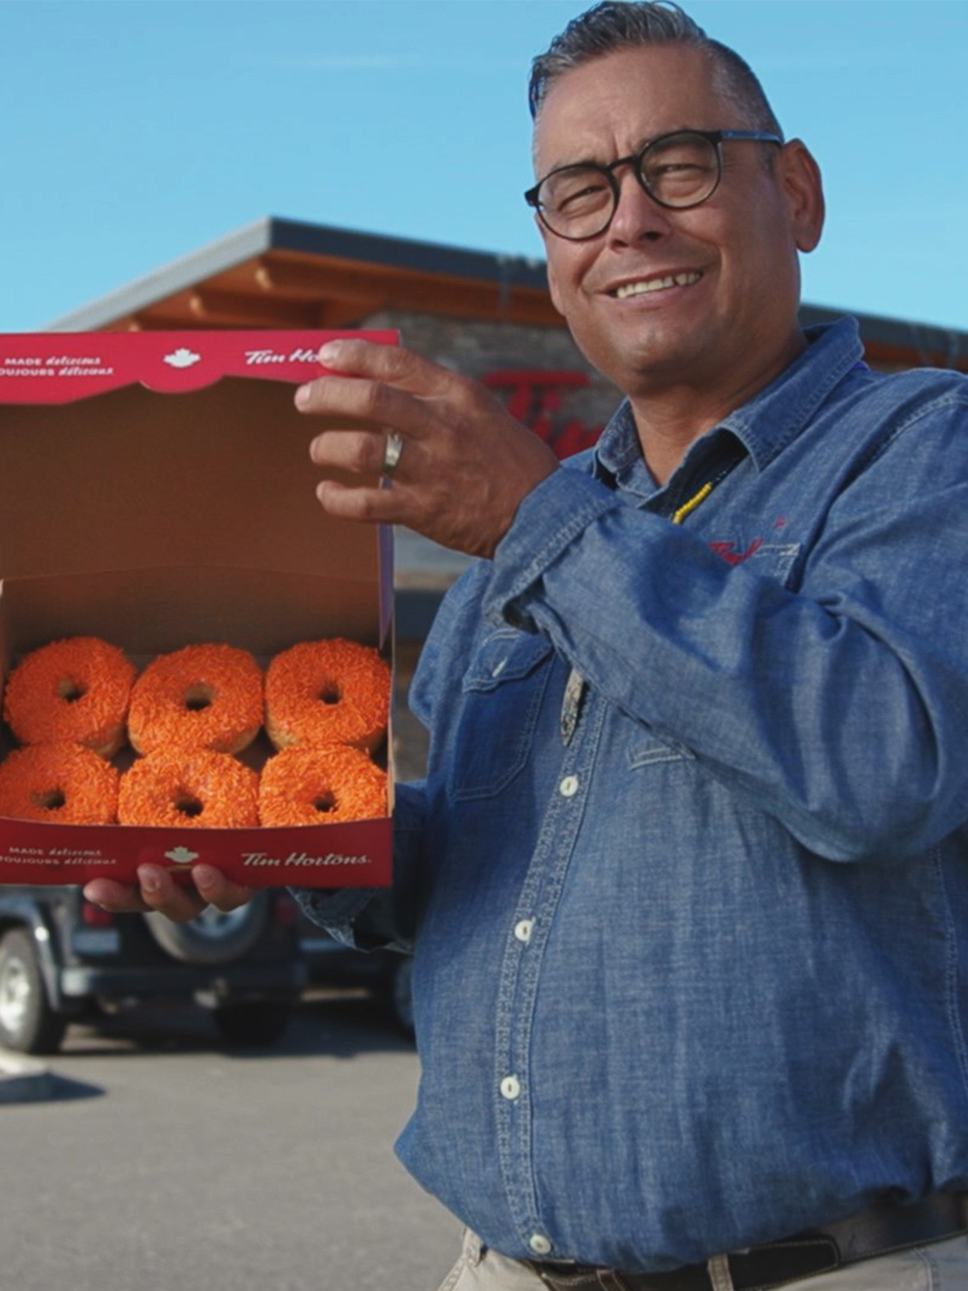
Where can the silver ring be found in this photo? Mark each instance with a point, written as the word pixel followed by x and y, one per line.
pixel 392 452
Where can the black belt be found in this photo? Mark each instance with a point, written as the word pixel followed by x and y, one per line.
pixel 886 1227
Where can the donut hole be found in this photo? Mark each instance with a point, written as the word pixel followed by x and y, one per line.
pixel 71 690
pixel 324 801
pixel 187 804
pixel 50 799
pixel 199 697
pixel 330 692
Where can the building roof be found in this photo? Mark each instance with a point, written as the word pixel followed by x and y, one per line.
pixel 291 274
pixel 282 273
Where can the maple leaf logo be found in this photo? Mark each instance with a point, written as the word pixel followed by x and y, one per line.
pixel 181 856
pixel 182 358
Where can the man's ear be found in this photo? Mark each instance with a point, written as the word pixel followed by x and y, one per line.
pixel 802 186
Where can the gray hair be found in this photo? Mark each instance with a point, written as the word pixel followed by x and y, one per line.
pixel 613 25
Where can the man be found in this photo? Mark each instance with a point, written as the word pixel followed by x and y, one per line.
pixel 686 884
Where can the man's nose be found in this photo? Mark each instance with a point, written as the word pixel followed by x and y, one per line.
pixel 637 215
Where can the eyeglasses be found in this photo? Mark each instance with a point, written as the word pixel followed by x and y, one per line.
pixel 677 170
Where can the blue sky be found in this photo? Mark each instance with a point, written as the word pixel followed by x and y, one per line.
pixel 138 131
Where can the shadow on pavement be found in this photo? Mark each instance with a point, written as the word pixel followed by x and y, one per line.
pixel 62 1089
pixel 337 1024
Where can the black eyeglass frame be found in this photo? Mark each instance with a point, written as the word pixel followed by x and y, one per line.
pixel 637 159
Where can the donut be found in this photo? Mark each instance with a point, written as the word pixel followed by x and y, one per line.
pixel 75 690
pixel 323 786
pixel 327 692
pixel 201 790
pixel 62 783
pixel 199 697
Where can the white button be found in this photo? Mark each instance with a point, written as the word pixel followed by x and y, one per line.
pixel 569 786
pixel 539 1244
pixel 522 930
pixel 510 1087
pixel 499 668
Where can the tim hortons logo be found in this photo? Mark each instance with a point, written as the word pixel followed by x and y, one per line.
pixel 255 358
pixel 263 859
pixel 538 399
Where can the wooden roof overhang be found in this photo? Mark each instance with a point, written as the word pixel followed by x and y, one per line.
pixel 282 274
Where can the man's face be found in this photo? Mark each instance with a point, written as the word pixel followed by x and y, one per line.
pixel 731 306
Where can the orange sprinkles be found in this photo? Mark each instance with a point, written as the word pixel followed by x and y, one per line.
pixel 321 787
pixel 74 690
pixel 324 704
pixel 327 692
pixel 200 697
pixel 65 783
pixel 199 790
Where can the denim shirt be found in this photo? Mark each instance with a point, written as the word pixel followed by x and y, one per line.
pixel 691 940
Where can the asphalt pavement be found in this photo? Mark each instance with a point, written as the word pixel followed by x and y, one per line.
pixel 145 1155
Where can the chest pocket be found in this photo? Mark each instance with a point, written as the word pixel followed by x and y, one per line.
pixel 768 559
pixel 503 690
pixel 645 749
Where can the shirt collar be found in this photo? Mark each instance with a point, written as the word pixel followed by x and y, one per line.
pixel 764 425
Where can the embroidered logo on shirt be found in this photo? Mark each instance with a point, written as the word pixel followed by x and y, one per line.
pixel 733 557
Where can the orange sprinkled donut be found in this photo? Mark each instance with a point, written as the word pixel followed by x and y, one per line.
pixel 200 697
pixel 321 787
pixel 59 784
pixel 76 690
pixel 205 790
pixel 327 692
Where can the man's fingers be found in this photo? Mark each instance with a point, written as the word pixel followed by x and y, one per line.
pixel 157 890
pixel 219 891
pixel 160 892
pixel 358 404
pixel 390 363
pixel 360 452
pixel 376 505
pixel 119 898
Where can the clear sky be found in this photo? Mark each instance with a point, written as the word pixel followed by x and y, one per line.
pixel 137 131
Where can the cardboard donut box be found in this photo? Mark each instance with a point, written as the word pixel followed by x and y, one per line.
pixel 156 491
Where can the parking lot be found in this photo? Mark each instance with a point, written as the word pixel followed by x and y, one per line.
pixel 162 1160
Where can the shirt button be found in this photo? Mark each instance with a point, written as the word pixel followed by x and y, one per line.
pixel 522 929
pixel 569 786
pixel 539 1244
pixel 511 1087
pixel 499 668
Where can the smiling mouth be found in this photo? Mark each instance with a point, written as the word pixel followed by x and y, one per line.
pixel 646 285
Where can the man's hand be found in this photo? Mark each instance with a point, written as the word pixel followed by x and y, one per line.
pixel 157 890
pixel 465 464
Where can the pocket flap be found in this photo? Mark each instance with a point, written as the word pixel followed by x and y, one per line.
pixel 506 655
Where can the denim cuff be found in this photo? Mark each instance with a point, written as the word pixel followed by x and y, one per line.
pixel 367 918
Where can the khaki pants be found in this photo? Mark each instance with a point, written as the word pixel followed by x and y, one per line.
pixel 942 1266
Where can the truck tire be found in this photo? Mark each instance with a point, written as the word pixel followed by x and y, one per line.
pixel 28 1024
pixel 252 1022
pixel 216 936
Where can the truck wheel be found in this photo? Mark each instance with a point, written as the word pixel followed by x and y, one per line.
pixel 256 1022
pixel 27 1022
pixel 216 936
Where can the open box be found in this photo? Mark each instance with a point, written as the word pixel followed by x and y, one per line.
pixel 156 491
